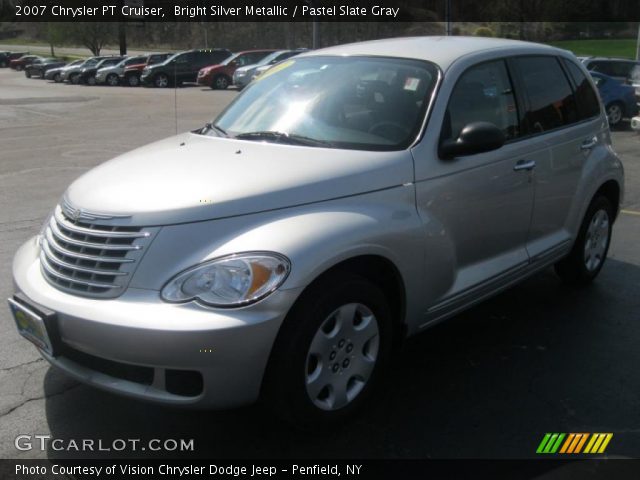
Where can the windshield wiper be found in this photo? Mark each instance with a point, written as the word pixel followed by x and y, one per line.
pixel 283 137
pixel 210 126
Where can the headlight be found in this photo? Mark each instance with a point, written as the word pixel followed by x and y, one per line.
pixel 229 281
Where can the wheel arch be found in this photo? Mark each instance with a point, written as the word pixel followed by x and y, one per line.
pixel 610 190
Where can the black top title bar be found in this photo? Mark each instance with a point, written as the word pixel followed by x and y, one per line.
pixel 319 10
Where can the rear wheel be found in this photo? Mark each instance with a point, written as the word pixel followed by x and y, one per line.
pixel 3 64
pixel 161 80
pixel 331 352
pixel 57 77
pixel 112 80
pixel 74 78
pixel 221 82
pixel 27 73
pixel 19 68
pixel 615 114
pixel 589 251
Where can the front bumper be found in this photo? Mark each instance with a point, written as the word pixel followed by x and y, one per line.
pixel 227 349
pixel 204 80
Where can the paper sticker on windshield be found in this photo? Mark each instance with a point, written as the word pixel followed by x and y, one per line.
pixel 411 83
pixel 276 69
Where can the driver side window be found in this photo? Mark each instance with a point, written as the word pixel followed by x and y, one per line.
pixel 482 94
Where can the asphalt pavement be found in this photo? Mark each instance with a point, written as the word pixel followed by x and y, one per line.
pixel 541 357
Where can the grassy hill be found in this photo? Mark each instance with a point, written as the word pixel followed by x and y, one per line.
pixel 625 48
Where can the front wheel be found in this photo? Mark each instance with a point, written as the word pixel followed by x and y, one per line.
pixel 27 73
pixel 330 353
pixel 91 80
pixel 19 68
pixel 112 80
pixel 75 79
pixel 161 80
pixel 589 252
pixel 57 77
pixel 615 114
pixel 221 82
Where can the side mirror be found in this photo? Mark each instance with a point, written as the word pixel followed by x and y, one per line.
pixel 475 137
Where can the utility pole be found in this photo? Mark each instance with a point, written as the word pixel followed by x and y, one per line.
pixel 122 37
pixel 638 44
pixel 447 17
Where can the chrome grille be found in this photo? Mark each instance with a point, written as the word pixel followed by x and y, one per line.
pixel 90 259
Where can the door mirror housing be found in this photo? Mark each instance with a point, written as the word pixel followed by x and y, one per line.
pixel 475 137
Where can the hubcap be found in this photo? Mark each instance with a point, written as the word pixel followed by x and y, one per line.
pixel 614 113
pixel 162 81
pixel 113 80
pixel 596 240
pixel 133 81
pixel 221 82
pixel 342 356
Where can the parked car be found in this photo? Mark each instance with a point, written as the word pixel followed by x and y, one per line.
pixel 220 76
pixel 635 81
pixel 345 201
pixel 88 73
pixel 243 75
pixel 20 63
pixel 181 67
pixel 40 67
pixel 56 74
pixel 618 68
pixel 619 100
pixel 6 57
pixel 131 73
pixel 110 75
pixel 72 75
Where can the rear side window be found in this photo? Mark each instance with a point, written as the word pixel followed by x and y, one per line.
pixel 483 94
pixel 551 101
pixel 588 104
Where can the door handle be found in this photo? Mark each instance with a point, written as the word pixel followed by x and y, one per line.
pixel 589 143
pixel 524 165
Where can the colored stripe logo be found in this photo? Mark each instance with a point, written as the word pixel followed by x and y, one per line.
pixel 569 443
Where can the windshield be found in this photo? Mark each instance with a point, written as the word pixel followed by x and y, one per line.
pixel 368 103
pixel 270 57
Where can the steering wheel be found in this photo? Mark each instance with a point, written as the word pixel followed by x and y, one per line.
pixel 382 129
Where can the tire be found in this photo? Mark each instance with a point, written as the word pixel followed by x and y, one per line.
pixel 133 80
pixel 161 80
pixel 220 82
pixel 615 114
pixel 27 73
pixel 316 379
pixel 57 77
pixel 91 80
pixel 75 78
pixel 3 64
pixel 112 80
pixel 589 252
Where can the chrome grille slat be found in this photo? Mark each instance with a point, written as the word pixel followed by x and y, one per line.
pixel 52 258
pixel 52 271
pixel 82 256
pixel 92 260
pixel 95 232
pixel 81 243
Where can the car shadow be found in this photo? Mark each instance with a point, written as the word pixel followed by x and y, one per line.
pixel 540 357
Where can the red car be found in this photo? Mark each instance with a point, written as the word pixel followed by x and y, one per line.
pixel 131 74
pixel 20 63
pixel 219 76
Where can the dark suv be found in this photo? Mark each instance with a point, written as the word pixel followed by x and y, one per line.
pixel 182 67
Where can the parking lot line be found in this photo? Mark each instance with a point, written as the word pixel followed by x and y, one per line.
pixel 630 212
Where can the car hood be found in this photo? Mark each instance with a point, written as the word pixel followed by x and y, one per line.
pixel 191 177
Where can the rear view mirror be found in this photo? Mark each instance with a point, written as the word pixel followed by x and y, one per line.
pixel 476 137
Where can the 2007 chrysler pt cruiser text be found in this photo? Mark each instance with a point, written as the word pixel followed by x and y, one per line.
pixel 347 199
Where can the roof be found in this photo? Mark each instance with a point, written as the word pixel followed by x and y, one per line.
pixel 442 51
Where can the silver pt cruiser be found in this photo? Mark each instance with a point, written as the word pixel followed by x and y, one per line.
pixel 349 198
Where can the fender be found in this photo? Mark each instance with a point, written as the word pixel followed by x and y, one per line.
pixel 314 237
